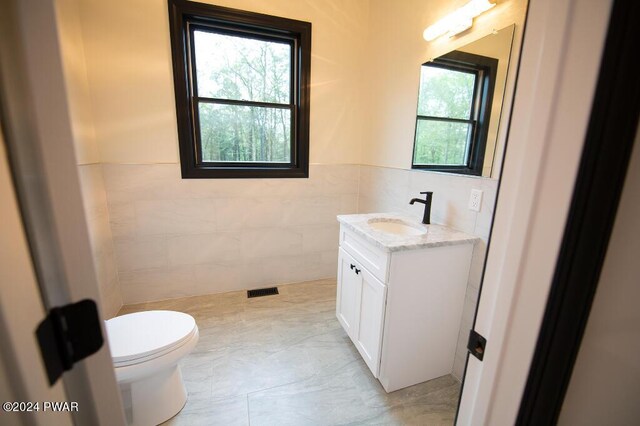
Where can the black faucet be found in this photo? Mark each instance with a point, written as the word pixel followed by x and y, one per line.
pixel 426 219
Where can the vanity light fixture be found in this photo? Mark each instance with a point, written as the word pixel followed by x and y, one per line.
pixel 458 21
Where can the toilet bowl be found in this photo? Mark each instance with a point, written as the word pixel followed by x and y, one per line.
pixel 146 348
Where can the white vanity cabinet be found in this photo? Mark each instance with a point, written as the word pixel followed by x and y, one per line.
pixel 360 308
pixel 401 304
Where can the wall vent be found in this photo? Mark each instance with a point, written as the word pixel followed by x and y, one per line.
pixel 262 292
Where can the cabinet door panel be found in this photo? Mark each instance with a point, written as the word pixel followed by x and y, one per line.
pixel 348 292
pixel 372 296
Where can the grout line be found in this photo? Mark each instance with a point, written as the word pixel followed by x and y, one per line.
pixel 301 340
pixel 359 186
pixel 311 377
pixel 278 386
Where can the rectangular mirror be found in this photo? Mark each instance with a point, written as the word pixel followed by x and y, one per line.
pixel 459 107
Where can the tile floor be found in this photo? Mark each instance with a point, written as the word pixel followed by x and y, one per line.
pixel 285 360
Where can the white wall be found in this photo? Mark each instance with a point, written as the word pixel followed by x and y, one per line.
pixel 605 382
pixel 130 74
pixel 88 155
pixel 73 58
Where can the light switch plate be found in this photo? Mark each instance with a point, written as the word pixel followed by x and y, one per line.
pixel 475 200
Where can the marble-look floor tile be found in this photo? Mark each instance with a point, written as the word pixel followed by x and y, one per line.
pixel 430 403
pixel 219 412
pixel 333 399
pixel 353 396
pixel 285 360
pixel 197 374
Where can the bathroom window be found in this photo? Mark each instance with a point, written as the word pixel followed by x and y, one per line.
pixel 242 92
pixel 454 103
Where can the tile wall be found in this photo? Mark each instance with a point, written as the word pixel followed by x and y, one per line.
pixel 178 237
pixel 97 213
pixel 387 189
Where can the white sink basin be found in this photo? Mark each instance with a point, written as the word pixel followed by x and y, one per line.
pixel 396 227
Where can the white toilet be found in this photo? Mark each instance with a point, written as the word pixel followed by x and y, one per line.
pixel 146 348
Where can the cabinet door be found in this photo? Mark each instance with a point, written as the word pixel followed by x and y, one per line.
pixel 347 297
pixel 372 299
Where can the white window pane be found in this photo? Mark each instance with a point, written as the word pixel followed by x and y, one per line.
pixel 231 67
pixel 445 93
pixel 238 133
pixel 442 143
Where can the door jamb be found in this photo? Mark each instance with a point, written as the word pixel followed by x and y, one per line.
pixel 608 144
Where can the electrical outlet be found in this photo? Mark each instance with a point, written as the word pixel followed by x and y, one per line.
pixel 475 200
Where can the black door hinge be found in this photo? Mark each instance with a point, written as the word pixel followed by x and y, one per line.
pixel 476 344
pixel 67 335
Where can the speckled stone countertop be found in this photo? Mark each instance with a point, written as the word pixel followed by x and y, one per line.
pixel 435 236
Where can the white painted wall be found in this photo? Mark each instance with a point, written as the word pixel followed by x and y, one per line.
pixel 74 61
pixel 605 383
pixel 88 155
pixel 130 75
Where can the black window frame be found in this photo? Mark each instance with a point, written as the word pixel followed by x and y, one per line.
pixel 485 70
pixel 185 17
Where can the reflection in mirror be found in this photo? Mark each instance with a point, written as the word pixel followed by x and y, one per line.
pixel 459 107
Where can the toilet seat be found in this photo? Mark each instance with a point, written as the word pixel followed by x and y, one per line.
pixel 143 336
